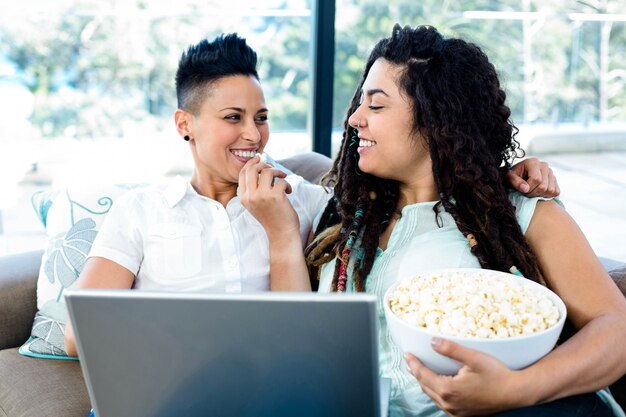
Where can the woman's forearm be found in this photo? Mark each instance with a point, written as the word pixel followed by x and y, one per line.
pixel 288 271
pixel 592 359
pixel 69 340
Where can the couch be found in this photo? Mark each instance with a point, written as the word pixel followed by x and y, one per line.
pixel 41 387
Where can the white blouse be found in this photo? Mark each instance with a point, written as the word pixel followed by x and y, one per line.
pixel 173 239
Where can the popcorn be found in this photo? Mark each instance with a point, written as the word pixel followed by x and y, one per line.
pixel 481 305
pixel 262 157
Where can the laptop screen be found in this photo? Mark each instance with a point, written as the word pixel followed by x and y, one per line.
pixel 263 354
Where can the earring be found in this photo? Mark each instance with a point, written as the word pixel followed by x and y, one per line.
pixel 186 137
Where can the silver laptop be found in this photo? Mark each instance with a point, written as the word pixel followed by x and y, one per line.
pixel 263 354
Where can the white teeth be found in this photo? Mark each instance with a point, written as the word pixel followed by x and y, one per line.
pixel 244 154
pixel 364 143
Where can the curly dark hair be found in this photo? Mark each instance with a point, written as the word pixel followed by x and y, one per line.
pixel 459 107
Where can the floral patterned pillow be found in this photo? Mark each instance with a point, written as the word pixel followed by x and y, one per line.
pixel 72 218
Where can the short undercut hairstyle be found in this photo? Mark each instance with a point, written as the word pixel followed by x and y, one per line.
pixel 208 61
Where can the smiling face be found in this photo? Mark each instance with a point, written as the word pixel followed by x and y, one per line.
pixel 229 128
pixel 388 147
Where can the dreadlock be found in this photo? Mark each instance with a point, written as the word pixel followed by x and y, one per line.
pixel 459 107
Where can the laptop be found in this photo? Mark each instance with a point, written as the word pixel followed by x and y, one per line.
pixel 262 354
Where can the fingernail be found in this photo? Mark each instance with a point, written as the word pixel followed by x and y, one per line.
pixel 408 369
pixel 525 188
pixel 436 341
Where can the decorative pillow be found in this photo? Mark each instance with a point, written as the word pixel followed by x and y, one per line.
pixel 71 218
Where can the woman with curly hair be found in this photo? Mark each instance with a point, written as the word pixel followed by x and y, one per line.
pixel 419 184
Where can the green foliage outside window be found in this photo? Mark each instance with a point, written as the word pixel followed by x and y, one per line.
pixel 97 72
pixel 560 79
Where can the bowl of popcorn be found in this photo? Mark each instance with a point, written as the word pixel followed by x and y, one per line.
pixel 509 317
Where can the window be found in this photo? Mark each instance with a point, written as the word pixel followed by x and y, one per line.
pixel 88 88
pixel 561 62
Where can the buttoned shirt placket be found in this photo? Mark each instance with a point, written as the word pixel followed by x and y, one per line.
pixel 232 266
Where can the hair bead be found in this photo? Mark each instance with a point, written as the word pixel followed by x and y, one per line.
pixel 472 240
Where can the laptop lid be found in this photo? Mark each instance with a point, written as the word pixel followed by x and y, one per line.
pixel 263 354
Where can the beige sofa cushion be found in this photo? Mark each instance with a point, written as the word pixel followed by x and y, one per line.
pixel 41 387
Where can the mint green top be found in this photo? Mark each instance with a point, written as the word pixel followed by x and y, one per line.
pixel 418 243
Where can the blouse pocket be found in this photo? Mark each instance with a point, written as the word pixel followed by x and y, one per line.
pixel 173 251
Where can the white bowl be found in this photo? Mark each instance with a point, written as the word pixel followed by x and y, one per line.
pixel 516 352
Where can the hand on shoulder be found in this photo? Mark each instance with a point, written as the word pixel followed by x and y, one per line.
pixel 534 178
